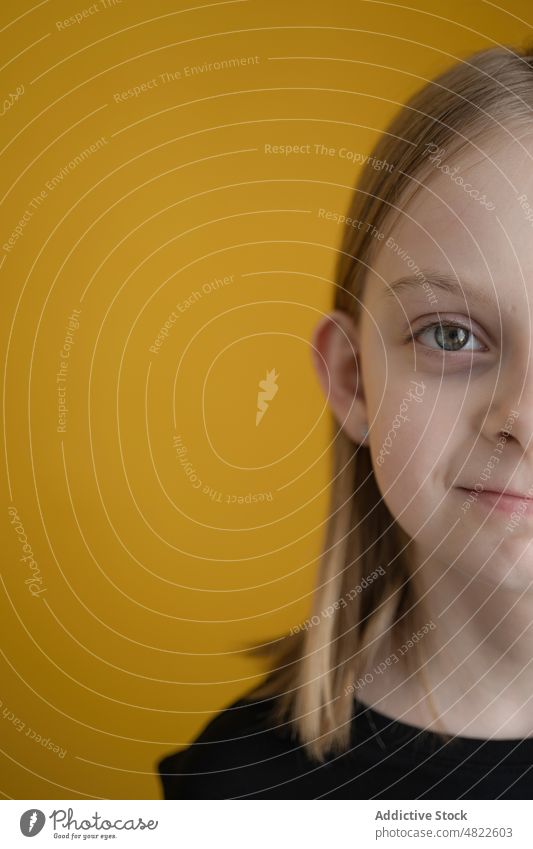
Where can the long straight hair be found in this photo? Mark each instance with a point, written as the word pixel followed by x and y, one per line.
pixel 313 669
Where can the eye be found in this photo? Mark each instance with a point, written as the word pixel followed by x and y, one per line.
pixel 449 337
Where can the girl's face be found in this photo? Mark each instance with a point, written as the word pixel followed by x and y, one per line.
pixel 437 398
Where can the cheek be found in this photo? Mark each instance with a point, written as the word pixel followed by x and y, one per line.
pixel 406 460
pixel 400 431
pixel 409 492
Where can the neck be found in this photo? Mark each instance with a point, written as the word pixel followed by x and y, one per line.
pixel 480 664
pixel 478 659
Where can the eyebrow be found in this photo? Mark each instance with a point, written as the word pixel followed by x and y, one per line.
pixel 439 280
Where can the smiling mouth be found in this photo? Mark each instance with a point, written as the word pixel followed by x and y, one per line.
pixel 503 500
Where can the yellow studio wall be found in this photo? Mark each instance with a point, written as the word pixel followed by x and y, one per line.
pixel 162 253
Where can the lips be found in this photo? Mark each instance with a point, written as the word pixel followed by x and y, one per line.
pixel 508 492
pixel 507 501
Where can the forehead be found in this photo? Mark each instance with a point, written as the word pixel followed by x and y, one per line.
pixel 446 226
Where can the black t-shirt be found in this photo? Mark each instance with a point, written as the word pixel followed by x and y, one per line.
pixel 239 754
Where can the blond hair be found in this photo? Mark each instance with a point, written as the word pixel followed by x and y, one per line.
pixel 313 670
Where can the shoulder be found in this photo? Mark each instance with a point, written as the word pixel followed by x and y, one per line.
pixel 239 753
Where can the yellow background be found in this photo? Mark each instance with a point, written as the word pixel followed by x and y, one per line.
pixel 150 586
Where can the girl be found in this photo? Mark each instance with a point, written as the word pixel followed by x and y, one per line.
pixel 413 676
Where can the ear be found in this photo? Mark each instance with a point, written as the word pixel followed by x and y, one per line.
pixel 336 359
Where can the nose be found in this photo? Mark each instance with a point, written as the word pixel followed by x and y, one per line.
pixel 511 410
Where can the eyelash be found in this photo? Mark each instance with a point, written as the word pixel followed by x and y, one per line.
pixel 434 324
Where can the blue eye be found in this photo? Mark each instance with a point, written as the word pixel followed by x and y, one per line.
pixel 449 337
